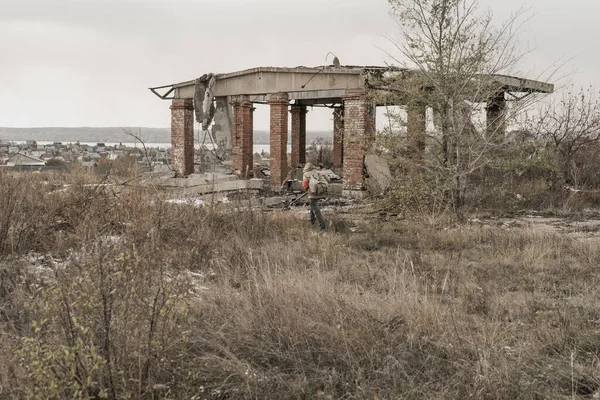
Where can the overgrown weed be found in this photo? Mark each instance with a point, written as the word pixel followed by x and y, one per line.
pixel 226 302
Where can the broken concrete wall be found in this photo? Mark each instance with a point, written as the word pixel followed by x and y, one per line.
pixel 379 176
pixel 221 129
pixel 203 99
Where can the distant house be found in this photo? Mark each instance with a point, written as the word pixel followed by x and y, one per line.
pixel 36 154
pixel 23 160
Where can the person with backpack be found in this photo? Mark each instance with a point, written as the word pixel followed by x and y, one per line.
pixel 317 184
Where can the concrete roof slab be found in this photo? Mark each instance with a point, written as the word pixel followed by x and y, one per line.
pixel 324 82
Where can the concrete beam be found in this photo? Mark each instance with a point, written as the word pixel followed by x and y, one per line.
pixel 260 81
pixel 324 84
pixel 306 98
pixel 206 188
pixel 392 80
pixel 522 85
pixel 325 96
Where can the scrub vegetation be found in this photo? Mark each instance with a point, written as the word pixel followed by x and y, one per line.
pixel 108 293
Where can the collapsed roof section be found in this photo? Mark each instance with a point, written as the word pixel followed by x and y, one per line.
pixel 318 85
pixel 343 88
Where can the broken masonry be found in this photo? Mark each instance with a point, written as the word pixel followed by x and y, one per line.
pixel 225 102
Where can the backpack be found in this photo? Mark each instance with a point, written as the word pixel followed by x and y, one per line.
pixel 317 184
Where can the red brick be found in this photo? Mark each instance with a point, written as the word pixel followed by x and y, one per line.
pixel 182 136
pixel 298 135
pixel 279 136
pixel 242 132
pixel 359 134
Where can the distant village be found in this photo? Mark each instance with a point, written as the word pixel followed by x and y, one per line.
pixel 63 155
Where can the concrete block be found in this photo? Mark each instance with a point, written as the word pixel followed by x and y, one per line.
pixel 379 174
pixel 354 194
pixel 206 188
pixel 274 201
pixel 197 179
pixel 255 183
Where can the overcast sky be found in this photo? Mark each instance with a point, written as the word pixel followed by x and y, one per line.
pixel 90 62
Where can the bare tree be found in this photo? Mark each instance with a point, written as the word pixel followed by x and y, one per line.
pixel 569 124
pixel 137 136
pixel 451 51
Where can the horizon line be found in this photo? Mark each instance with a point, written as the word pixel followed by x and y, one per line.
pixel 119 127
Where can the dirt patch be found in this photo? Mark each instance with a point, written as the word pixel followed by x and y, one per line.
pixel 581 226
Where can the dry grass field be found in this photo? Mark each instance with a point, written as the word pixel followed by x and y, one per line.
pixel 117 294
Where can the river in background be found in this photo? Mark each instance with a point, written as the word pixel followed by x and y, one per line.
pixel 257 148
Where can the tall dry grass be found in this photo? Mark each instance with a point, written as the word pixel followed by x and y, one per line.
pixel 130 297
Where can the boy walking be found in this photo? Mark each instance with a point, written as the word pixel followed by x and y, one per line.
pixel 316 183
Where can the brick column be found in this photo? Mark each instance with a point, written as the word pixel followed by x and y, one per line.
pixel 496 114
pixel 182 136
pixel 416 128
pixel 359 134
pixel 279 136
pixel 242 133
pixel 298 135
pixel 338 137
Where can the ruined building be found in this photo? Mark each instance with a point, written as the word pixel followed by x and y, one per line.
pixel 228 100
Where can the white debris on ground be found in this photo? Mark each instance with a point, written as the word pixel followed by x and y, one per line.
pixel 195 202
pixel 198 280
pixel 43 268
pixel 109 239
pixel 589 228
pixel 199 202
pixel 195 281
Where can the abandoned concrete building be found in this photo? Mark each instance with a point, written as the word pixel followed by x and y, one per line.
pixel 228 100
